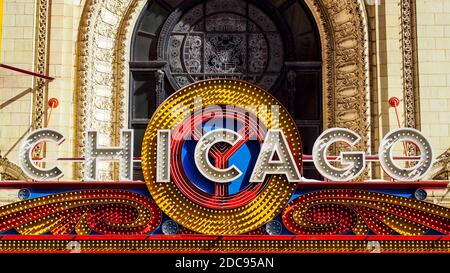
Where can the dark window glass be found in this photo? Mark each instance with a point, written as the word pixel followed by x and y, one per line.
pixel 308 135
pixel 143 96
pixel 143 44
pixel 303 31
pixel 295 78
pixel 153 17
pixel 139 131
pixel 310 172
pixel 307 98
pixel 147 30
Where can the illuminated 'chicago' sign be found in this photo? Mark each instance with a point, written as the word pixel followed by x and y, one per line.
pixel 224 157
pixel 238 133
pixel 230 124
pixel 274 145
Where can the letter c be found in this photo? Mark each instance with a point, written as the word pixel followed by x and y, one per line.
pixel 26 157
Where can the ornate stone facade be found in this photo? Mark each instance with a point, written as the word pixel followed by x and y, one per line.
pixel 441 167
pixel 409 58
pixel 104 36
pixel 103 54
pixel 41 67
pixel 343 28
pixel 10 171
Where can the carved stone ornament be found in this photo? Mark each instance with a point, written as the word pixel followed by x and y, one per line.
pixel 441 167
pixel 41 66
pixel 222 39
pixel 103 51
pixel 104 40
pixel 10 171
pixel 409 61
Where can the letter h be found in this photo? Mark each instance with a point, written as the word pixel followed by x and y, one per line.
pixel 123 154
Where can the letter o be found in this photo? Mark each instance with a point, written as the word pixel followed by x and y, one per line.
pixel 406 174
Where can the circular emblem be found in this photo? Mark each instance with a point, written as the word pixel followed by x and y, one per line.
pixel 274 227
pixel 222 39
pixel 233 206
pixel 24 194
pixel 169 227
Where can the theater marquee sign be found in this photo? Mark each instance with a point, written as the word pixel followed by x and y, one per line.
pixel 222 161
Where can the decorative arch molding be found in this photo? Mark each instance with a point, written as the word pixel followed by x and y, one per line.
pixel 441 167
pixel 104 39
pixel 10 171
pixel 343 31
pixel 102 72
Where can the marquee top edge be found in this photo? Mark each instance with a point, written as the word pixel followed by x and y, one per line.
pixel 375 185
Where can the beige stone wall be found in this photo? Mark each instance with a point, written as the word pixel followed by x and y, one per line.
pixel 391 66
pixel 64 29
pixel 17 50
pixel 433 31
pixel 386 73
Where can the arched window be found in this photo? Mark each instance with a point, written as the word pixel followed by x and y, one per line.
pixel 274 44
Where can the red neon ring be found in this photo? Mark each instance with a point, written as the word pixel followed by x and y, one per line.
pixel 193 192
